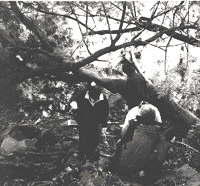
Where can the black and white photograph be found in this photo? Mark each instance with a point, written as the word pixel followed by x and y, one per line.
pixel 100 93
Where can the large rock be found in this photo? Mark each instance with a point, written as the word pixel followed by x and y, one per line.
pixel 26 137
pixel 135 153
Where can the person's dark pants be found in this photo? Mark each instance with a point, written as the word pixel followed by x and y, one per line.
pixel 88 140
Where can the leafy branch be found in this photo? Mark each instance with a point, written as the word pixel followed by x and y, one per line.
pixel 63 15
pixel 30 24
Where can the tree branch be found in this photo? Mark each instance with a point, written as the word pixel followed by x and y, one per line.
pixel 86 21
pixel 63 15
pixel 167 11
pixel 68 66
pixel 164 14
pixel 81 30
pixel 39 51
pixel 32 27
pixel 156 28
pixel 157 3
pixel 120 26
pixel 176 35
pixel 103 32
pixel 116 6
pixel 107 22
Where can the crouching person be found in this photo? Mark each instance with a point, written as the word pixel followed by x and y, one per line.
pixel 143 145
pixel 92 110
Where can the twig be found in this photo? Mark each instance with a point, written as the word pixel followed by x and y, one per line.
pixel 120 26
pixel 164 14
pixel 167 11
pixel 131 10
pixel 86 21
pixel 81 30
pixel 188 146
pixel 169 45
pixel 102 32
pixel 115 6
pixel 157 3
pixel 158 46
pixel 107 22
pixel 138 34
pixel 134 9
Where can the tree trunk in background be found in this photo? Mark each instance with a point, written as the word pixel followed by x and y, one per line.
pixel 170 108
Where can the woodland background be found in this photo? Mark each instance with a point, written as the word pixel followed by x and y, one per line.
pixel 48 50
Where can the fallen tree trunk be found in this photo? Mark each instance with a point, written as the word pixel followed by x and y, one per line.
pixel 168 108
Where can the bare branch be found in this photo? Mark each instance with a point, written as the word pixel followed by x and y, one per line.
pixel 155 9
pixel 86 21
pixel 169 45
pixel 181 37
pixel 107 22
pixel 80 30
pixel 134 9
pixel 160 47
pixel 115 6
pixel 169 10
pixel 150 27
pixel 120 26
pixel 103 32
pixel 176 10
pixel 131 43
pixel 68 66
pixel 164 15
pixel 32 27
pixel 138 34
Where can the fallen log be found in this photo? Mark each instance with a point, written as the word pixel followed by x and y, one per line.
pixel 166 106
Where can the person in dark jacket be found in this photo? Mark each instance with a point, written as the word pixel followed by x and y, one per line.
pixel 135 87
pixel 92 110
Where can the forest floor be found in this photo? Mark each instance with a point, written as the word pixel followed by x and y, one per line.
pixel 59 164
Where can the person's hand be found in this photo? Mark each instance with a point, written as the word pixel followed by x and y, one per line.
pixel 74 105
